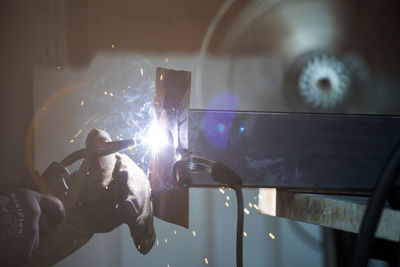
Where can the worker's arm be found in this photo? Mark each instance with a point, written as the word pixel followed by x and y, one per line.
pixel 24 217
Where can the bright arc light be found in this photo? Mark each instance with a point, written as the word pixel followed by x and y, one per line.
pixel 157 137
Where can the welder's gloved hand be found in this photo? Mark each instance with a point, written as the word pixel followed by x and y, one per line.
pixel 116 191
pixel 24 217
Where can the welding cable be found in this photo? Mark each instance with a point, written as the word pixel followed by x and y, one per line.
pixel 225 175
pixel 374 209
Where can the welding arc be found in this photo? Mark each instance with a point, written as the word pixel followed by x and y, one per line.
pixel 108 148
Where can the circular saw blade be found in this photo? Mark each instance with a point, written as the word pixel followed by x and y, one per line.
pixel 308 56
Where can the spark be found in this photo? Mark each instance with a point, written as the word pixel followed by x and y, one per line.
pixel 206 260
pixel 256 207
pixel 222 191
pixel 246 211
pixel 116 206
pixel 58 67
pixel 244 234
pixel 161 77
pixel 227 204
pixel 227 197
pixel 165 240
pixel 105 93
pixel 78 133
pixel 88 173
pixel 250 205
pixel 129 87
pixel 168 265
pixel 82 102
pixel 138 247
pixel 166 59
pixel 271 235
pixel 44 108
pixel 194 233
pixel 112 46
pixel 157 243
pixel 111 94
pixel 174 232
pixel 141 71
pixel 72 140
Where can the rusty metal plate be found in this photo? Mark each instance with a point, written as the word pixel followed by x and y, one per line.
pixel 171 103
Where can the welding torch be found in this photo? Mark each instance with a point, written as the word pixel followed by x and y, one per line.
pixel 53 179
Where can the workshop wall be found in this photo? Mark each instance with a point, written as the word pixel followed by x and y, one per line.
pixel 58 60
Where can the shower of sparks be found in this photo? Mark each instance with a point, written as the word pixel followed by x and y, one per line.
pixel 72 140
pixel 246 211
pixel 78 133
pixel 112 46
pixel 82 103
pixel 141 71
pixel 222 191
pixel 227 204
pixel 194 233
pixel 165 240
pixel 250 205
pixel 206 260
pixel 244 234
pixel 271 236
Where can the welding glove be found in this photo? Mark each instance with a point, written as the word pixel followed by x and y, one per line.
pixel 106 192
pixel 24 217
pixel 117 191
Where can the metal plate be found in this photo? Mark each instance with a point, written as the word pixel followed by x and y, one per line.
pixel 306 152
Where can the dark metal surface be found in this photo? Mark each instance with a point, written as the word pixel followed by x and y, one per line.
pixel 306 152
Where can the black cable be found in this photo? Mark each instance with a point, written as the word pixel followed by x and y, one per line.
pixel 220 173
pixel 239 227
pixel 225 175
pixel 375 207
